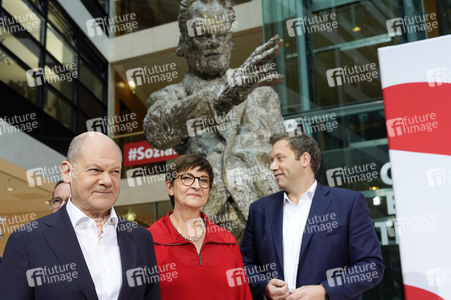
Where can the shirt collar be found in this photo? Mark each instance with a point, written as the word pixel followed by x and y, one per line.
pixel 309 194
pixel 77 217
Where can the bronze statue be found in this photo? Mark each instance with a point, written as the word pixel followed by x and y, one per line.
pixel 226 114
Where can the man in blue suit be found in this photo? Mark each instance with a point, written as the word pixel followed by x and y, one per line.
pixel 309 241
pixel 83 251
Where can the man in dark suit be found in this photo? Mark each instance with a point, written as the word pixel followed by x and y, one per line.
pixel 83 251
pixel 309 241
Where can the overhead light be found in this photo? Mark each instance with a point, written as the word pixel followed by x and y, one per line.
pixel 356 29
pixel 131 216
pixel 373 188
pixel 376 201
pixel 10 189
pixel 132 86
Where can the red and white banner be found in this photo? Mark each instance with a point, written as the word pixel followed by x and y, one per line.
pixel 416 82
pixel 140 153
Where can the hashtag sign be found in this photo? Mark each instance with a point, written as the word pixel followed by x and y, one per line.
pixel 132 154
pixel 139 153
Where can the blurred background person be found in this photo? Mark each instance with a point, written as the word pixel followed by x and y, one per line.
pixel 205 257
pixel 60 195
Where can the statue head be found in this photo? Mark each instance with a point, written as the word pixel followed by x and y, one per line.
pixel 206 35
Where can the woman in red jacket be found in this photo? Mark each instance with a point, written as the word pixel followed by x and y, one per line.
pixel 196 258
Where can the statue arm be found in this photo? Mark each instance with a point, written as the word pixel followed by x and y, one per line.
pixel 165 124
pixel 170 110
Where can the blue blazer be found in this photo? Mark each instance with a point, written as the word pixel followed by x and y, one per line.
pixel 51 241
pixel 340 248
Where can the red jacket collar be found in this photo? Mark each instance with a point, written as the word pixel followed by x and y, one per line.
pixel 163 232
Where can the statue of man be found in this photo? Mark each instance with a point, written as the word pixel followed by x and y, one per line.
pixel 227 115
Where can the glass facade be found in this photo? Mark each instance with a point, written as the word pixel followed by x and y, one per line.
pixel 333 92
pixel 139 14
pixel 48 67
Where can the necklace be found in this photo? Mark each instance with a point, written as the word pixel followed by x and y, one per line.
pixel 185 237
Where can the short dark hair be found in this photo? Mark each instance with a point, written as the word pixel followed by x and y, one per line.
pixel 186 162
pixel 301 144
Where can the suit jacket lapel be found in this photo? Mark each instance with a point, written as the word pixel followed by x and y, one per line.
pixel 320 203
pixel 63 241
pixel 128 249
pixel 276 215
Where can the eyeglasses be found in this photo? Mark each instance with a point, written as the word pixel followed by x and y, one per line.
pixel 57 202
pixel 188 179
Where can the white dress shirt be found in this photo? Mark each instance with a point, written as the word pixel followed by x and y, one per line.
pixel 101 253
pixel 294 220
